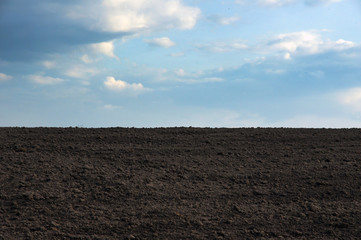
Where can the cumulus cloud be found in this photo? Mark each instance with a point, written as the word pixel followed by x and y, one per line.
pixel 4 77
pixel 119 86
pixel 135 16
pixel 161 42
pixel 45 80
pixel 105 48
pixel 306 43
pixel 351 98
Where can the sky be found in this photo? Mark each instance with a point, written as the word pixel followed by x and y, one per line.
pixel 168 63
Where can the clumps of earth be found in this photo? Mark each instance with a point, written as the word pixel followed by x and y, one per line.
pixel 180 183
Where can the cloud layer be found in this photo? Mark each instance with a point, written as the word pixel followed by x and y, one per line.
pixel 306 43
pixel 38 27
pixel 289 44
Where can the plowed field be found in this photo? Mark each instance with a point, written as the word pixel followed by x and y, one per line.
pixel 180 183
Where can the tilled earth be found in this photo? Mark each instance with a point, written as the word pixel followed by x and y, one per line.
pixel 180 183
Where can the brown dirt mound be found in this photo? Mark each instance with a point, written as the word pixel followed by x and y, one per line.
pixel 180 183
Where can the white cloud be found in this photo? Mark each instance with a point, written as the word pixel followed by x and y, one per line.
pixel 135 16
pixel 288 44
pixel 80 72
pixel 223 20
pixel 105 48
pixel 351 98
pixel 275 3
pixel 200 80
pixel 306 43
pixel 49 64
pixel 221 47
pixel 45 80
pixel 178 75
pixel 343 44
pixel 4 77
pixel 228 20
pixel 111 107
pixel 161 42
pixel 119 86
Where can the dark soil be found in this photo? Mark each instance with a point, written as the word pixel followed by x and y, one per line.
pixel 180 183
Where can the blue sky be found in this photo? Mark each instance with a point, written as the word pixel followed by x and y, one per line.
pixel 153 63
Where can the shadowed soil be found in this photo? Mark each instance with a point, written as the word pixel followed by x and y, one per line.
pixel 180 183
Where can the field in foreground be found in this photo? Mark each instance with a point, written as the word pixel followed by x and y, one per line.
pixel 180 183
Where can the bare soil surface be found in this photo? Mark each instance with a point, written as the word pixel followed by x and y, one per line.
pixel 180 183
